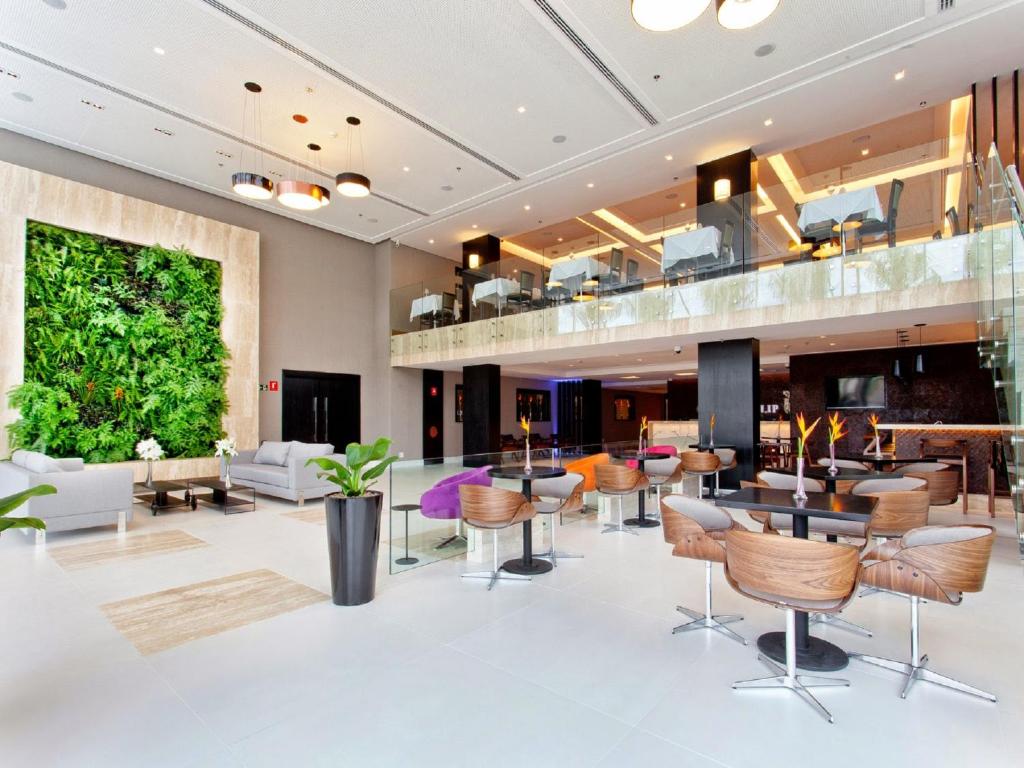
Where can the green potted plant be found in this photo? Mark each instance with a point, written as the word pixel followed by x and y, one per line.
pixel 10 503
pixel 353 519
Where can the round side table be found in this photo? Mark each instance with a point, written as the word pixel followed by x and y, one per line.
pixel 407 508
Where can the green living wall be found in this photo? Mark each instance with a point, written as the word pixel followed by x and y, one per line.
pixel 122 342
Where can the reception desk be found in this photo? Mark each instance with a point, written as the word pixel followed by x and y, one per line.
pixel 979 439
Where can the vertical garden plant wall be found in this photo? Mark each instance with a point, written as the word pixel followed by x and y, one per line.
pixel 122 342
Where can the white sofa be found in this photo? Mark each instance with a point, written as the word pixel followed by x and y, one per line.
pixel 84 499
pixel 280 470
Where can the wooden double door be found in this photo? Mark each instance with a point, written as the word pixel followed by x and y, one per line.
pixel 320 408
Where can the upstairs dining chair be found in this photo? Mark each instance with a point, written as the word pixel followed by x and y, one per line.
pixel 493 509
pixel 696 530
pixel 888 227
pixel 935 563
pixel 791 574
pixel 524 298
pixel 567 492
pixel 616 481
pixel 726 253
pixel 615 265
pixel 954 222
pixel 447 308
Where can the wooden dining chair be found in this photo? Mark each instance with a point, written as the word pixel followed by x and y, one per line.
pixel 567 492
pixel 700 465
pixel 493 509
pixel 616 481
pixel 791 574
pixel 943 481
pixel 696 530
pixel 938 563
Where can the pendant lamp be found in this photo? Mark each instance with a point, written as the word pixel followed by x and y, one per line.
pixel 743 14
pixel 301 195
pixel 666 15
pixel 352 183
pixel 251 183
pixel 919 359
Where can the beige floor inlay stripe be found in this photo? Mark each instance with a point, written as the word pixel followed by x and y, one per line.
pixel 315 516
pixel 123 548
pixel 163 620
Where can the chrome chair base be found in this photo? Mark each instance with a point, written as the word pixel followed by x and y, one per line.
pixel 452 540
pixel 707 620
pixel 920 671
pixel 553 554
pixel 619 527
pixel 799 684
pixel 496 573
pixel 839 622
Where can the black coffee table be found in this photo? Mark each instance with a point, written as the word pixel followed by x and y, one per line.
pixel 641 520
pixel 157 495
pixel 812 653
pixel 222 496
pixel 818 472
pixel 526 565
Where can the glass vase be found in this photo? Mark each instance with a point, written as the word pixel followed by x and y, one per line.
pixel 800 494
pixel 227 475
pixel 832 468
pixel 711 439
pixel 878 446
pixel 528 468
pixel 149 474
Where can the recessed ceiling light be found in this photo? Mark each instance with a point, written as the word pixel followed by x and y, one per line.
pixel 590 185
pixel 526 207
pixel 768 122
pixel 158 50
pixel 686 373
pixel 520 110
pixel 900 75
pixel 474 226
pixel 558 139
pixel 682 205
pixel 668 157
pixel 405 168
pixel 431 241
pixel 831 343
pixel 20 96
pixel 821 337
pixel 333 134
pixel 865 152
pixel 559 239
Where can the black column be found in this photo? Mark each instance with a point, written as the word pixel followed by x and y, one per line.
pixel 433 417
pixel 476 255
pixel 579 415
pixel 734 213
pixel 729 386
pixel 481 421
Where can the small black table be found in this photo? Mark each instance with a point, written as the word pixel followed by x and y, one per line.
pixel 708 447
pixel 885 458
pixel 526 565
pixel 641 520
pixel 407 508
pixel 157 495
pixel 818 472
pixel 224 496
pixel 812 653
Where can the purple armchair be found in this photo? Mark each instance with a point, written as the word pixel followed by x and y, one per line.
pixel 442 501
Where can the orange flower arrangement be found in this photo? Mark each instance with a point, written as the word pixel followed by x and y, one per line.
pixel 525 424
pixel 805 432
pixel 835 429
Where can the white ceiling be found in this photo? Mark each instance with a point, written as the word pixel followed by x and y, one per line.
pixel 437 84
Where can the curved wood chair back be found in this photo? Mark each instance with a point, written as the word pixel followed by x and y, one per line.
pixel 573 502
pixel 585 467
pixel 943 486
pixel 898 512
pixel 686 533
pixel 699 461
pixel 489 507
pixel 926 564
pixel 618 478
pixel 796 569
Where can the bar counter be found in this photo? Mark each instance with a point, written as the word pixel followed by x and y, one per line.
pixel 979 439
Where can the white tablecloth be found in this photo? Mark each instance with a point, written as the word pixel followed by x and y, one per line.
pixel 426 305
pixel 565 269
pixel 494 291
pixel 705 241
pixel 838 208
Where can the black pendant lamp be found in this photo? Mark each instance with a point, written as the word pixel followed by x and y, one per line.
pixel 351 183
pixel 919 358
pixel 252 183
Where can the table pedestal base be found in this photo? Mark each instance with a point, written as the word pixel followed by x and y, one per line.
pixel 520 566
pixel 820 655
pixel 644 523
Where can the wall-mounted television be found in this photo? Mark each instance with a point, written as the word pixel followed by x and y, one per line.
pixel 865 392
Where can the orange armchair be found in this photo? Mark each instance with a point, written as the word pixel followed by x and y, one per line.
pixel 585 467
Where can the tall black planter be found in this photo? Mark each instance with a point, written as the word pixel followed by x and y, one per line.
pixel 353 538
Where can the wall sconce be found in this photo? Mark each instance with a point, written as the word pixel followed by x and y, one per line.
pixel 723 189
pixel 474 260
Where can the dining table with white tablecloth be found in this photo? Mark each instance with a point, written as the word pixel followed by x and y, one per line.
pixel 839 207
pixel 430 304
pixel 495 291
pixel 568 268
pixel 703 241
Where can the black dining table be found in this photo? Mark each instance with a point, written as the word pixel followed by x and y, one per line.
pixel 818 472
pixel 527 565
pixel 708 447
pixel 641 520
pixel 885 458
pixel 812 653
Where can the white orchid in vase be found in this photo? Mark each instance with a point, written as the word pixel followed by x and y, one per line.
pixel 149 450
pixel 226 449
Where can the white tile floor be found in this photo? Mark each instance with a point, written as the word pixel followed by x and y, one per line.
pixel 577 667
